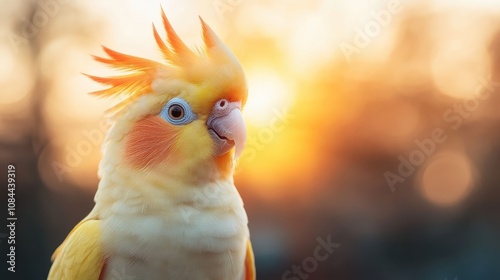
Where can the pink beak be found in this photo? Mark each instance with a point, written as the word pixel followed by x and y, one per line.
pixel 227 127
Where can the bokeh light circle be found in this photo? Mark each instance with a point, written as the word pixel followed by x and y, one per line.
pixel 447 179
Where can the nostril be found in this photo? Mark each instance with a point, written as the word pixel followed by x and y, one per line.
pixel 222 103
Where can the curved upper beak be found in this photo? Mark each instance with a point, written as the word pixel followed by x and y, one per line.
pixel 227 127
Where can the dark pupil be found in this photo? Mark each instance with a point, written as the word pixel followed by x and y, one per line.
pixel 176 111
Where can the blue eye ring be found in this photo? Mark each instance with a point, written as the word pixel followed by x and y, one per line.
pixel 177 112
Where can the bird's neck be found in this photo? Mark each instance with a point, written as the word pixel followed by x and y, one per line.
pixel 171 187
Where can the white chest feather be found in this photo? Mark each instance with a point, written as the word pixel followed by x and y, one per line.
pixel 199 233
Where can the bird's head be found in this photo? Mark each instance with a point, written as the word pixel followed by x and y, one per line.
pixel 182 115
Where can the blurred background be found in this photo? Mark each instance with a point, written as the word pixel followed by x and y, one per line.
pixel 373 125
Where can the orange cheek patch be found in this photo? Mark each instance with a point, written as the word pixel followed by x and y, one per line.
pixel 150 142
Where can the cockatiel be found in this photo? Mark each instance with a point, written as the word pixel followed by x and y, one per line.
pixel 166 205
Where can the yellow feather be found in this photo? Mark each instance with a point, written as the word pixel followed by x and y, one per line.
pixel 215 69
pixel 80 256
pixel 249 263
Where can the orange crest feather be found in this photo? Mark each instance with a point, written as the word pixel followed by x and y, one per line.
pixel 143 72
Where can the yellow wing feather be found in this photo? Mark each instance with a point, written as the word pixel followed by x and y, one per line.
pixel 80 256
pixel 249 263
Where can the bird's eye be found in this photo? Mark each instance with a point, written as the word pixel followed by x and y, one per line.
pixel 178 112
